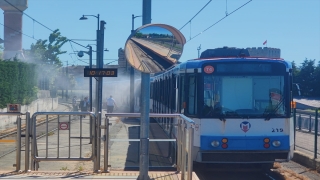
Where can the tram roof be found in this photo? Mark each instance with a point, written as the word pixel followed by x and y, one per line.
pixel 197 63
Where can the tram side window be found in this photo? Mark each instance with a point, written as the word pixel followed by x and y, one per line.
pixel 183 89
pixel 192 95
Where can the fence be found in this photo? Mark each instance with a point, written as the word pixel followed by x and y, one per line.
pixel 56 131
pixel 306 127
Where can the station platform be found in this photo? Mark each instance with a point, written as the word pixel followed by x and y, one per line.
pixel 117 175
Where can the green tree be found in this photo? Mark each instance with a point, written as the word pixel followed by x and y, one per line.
pixel 317 80
pixel 307 78
pixel 45 53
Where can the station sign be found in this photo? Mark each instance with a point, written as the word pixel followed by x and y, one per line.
pixel 14 108
pixel 100 72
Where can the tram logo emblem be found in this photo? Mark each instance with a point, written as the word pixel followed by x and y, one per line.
pixel 245 126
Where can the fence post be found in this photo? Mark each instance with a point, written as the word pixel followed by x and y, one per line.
pixel 27 142
pixel 294 127
pixel 316 134
pixel 190 160
pixel 299 121
pixel 179 145
pixel 18 144
pixel 310 123
pixel 183 152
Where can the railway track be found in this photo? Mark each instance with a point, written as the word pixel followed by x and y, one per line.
pixel 149 60
pixel 7 148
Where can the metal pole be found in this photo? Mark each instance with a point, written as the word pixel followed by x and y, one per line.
pixel 99 91
pixel 183 152
pixel 67 81
pixel 294 127
pixel 310 126
pixel 18 144
pixel 27 143
pixel 190 161
pixel 316 134
pixel 106 144
pixel 131 89
pixel 132 74
pixel 98 139
pixel 33 142
pixel 179 142
pixel 90 91
pixel 90 80
pixel 145 91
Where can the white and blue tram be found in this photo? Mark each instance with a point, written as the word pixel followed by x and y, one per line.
pixel 241 105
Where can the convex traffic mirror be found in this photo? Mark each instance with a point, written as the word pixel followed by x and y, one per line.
pixel 153 48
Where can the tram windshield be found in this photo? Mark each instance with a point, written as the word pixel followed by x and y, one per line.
pixel 243 96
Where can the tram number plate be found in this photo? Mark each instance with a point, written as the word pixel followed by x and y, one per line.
pixel 277 130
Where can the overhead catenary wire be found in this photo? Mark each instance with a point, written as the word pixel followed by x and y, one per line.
pixel 19 32
pixel 28 15
pixel 227 15
pixel 34 20
pixel 195 15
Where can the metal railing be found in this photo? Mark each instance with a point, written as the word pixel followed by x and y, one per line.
pixel 61 123
pixel 184 140
pixel 19 144
pixel 306 127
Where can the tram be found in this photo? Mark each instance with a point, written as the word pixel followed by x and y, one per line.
pixel 241 105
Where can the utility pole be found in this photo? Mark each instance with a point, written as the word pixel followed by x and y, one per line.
pixel 132 74
pixel 99 88
pixel 145 98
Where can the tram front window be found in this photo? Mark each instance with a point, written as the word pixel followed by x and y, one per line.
pixel 243 96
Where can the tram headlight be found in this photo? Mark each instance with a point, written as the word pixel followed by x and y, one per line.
pixel 276 143
pixel 215 143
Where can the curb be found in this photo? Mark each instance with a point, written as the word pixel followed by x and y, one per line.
pixel 306 160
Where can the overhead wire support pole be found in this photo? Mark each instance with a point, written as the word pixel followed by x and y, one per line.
pixel 145 98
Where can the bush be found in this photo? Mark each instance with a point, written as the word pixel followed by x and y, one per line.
pixel 18 83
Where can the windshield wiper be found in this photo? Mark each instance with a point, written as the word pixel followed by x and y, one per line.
pixel 269 113
pixel 232 114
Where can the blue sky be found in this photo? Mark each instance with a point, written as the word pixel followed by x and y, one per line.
pixel 291 25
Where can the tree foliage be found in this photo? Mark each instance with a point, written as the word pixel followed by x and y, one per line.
pixel 17 83
pixel 308 77
pixel 46 53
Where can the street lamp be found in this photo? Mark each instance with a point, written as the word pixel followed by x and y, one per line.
pixel 84 17
pixel 133 17
pixel 132 74
pixel 99 84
